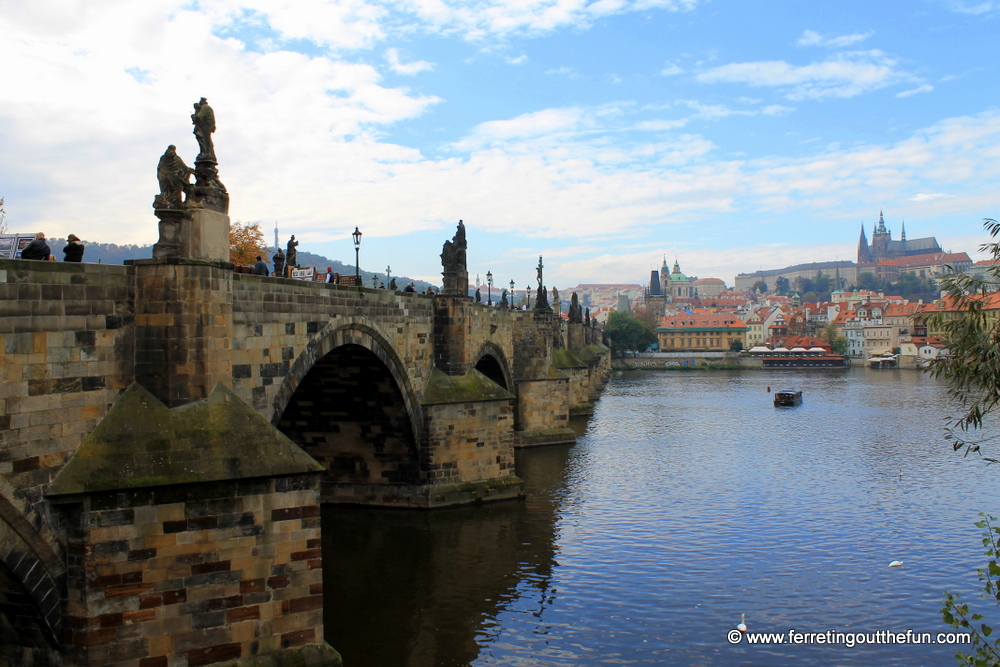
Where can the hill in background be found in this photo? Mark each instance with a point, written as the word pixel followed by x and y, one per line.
pixel 112 253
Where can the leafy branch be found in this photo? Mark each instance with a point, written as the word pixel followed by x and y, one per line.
pixel 957 614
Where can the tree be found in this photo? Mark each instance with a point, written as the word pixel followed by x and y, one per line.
pixel 973 375
pixel 867 281
pixel 972 370
pixel 245 243
pixel 782 285
pixel 760 286
pixel 627 333
pixel 736 345
pixel 647 317
pixel 838 343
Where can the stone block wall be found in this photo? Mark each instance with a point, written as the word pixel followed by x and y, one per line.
pixel 194 574
pixel 66 352
pixel 184 328
pixel 543 412
pixel 532 338
pixel 469 442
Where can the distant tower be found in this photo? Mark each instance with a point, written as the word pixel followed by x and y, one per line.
pixel 655 299
pixel 880 240
pixel 864 253
pixel 903 233
pixel 275 236
pixel 679 285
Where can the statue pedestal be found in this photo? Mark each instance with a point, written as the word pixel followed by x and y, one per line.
pixel 456 283
pixel 197 233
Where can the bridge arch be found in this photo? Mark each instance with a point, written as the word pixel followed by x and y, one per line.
pixel 32 578
pixel 491 361
pixel 348 400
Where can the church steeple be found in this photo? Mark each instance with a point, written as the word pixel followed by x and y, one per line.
pixel 881 225
pixel 863 253
pixel 903 232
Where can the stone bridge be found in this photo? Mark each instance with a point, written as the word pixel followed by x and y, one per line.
pixel 156 507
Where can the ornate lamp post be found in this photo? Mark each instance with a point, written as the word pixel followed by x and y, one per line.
pixel 512 295
pixel 489 293
pixel 357 254
pixel 527 295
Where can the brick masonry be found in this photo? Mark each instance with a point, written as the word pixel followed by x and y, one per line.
pixel 193 574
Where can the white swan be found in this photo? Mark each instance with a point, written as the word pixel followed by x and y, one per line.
pixel 742 627
pixel 896 563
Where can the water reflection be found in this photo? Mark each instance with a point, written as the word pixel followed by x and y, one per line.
pixel 687 501
pixel 424 588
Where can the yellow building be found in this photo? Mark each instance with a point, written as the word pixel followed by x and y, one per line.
pixel 699 330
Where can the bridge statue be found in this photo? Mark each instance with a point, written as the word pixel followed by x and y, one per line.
pixel 575 314
pixel 203 120
pixel 198 226
pixel 456 275
pixel 291 255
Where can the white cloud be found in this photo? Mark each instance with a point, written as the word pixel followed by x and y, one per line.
pixel 974 8
pixel 813 38
pixel 923 88
pixel 408 69
pixel 926 196
pixel 519 60
pixel 671 69
pixel 845 75
pixel 480 20
pixel 776 110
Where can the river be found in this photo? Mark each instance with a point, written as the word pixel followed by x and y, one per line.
pixel 687 501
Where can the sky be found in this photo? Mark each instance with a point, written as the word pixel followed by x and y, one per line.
pixel 603 135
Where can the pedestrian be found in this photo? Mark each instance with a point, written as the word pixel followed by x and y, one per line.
pixel 409 288
pixel 329 275
pixel 260 267
pixel 37 249
pixel 381 285
pixel 73 249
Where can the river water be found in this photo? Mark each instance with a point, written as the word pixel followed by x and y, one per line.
pixel 687 501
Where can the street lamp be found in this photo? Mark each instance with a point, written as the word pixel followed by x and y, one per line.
pixel 489 293
pixel 512 295
pixel 527 295
pixel 357 251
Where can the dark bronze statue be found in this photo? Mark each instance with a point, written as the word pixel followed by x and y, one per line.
pixel 503 300
pixel 587 317
pixel 279 263
pixel 174 177
pixel 575 314
pixel 455 274
pixel 291 253
pixel 538 271
pixel 203 119
pixel 453 253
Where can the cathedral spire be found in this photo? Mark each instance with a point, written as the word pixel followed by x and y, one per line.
pixel 903 232
pixel 881 224
pixel 863 253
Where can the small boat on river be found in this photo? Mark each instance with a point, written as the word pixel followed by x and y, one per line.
pixel 787 398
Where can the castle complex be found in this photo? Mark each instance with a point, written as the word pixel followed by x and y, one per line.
pixel 883 247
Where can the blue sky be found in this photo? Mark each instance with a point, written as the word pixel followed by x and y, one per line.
pixel 734 135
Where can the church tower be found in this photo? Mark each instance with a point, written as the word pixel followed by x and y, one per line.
pixel 880 240
pixel 864 252
pixel 679 285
